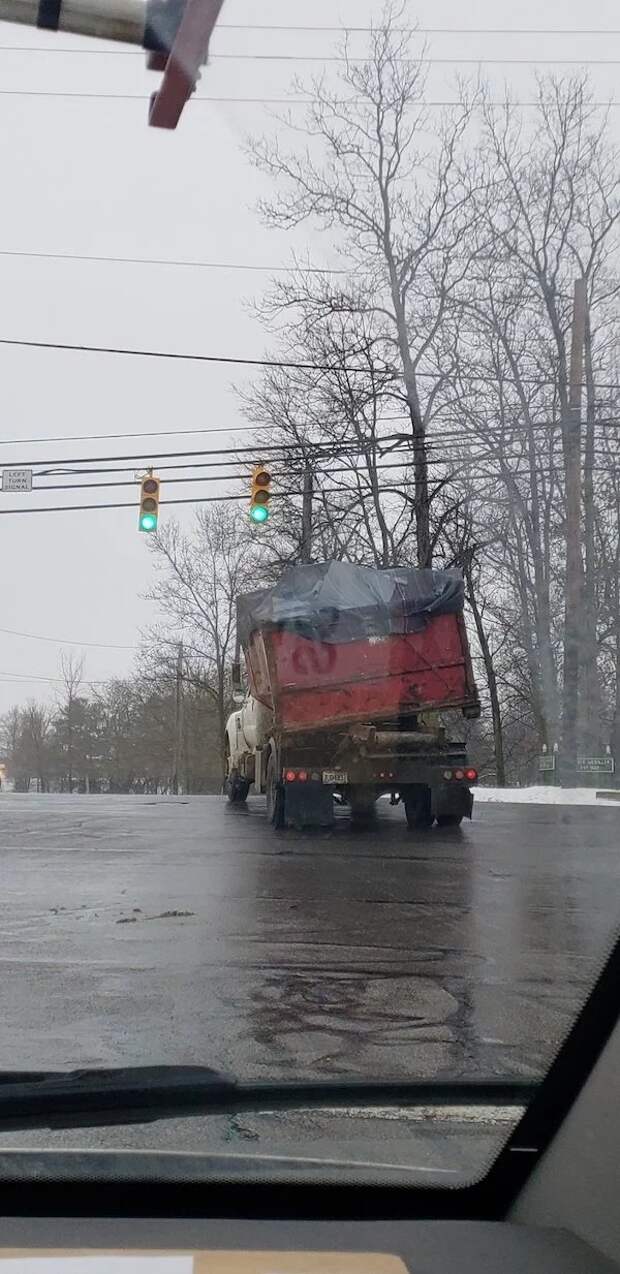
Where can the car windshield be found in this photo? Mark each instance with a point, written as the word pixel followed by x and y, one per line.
pixel 310 725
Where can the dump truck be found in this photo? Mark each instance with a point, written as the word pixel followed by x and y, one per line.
pixel 354 678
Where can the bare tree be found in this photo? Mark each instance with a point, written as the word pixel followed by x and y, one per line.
pixel 199 577
pixel 72 672
pixel 386 180
pixel 10 725
pixel 453 313
pixel 551 215
pixel 36 721
pixel 330 426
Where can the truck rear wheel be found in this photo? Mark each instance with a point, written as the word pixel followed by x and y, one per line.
pixel 417 802
pixel 449 820
pixel 275 795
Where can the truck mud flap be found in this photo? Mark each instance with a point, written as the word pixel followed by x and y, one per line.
pixel 308 805
pixel 452 798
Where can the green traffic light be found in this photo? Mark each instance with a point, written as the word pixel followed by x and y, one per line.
pixel 148 522
pixel 259 513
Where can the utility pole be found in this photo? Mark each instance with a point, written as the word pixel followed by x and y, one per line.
pixel 573 612
pixel 306 515
pixel 590 721
pixel 178 722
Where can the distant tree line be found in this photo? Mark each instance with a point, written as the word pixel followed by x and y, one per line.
pixel 162 729
pixel 121 737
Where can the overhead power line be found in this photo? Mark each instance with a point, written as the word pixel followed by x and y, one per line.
pixel 236 477
pixel 345 27
pixel 434 460
pixel 29 676
pixel 176 356
pixel 56 50
pixel 23 680
pixel 273 363
pixel 154 433
pixel 602 422
pixel 60 641
pixel 8 678
pixel 338 489
pixel 80 508
pixel 426 61
pixel 276 452
pixel 127 482
pixel 327 448
pixel 59 51
pixel 277 101
pixel 176 264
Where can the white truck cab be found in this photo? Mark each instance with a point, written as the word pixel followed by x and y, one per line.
pixel 248 731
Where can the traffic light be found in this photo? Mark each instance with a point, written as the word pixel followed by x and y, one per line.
pixel 149 503
pixel 260 493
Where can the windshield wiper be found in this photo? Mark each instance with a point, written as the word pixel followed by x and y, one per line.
pixel 142 1094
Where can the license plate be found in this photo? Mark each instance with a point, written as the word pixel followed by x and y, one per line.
pixel 335 776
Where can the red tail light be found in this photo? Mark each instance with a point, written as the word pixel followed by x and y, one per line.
pixel 303 776
pixel 459 774
pixel 471 775
pixel 290 776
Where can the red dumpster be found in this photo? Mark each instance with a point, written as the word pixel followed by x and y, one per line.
pixel 311 685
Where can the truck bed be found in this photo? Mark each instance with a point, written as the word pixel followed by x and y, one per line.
pixel 313 685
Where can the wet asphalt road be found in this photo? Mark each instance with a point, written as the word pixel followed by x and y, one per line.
pixel 143 930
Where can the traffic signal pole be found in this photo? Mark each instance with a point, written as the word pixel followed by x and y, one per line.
pixel 573 621
pixel 126 20
pixel 178 722
pixel 174 33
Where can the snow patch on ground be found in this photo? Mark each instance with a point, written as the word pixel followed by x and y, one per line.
pixel 545 796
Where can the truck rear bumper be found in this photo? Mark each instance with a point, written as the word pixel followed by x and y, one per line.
pixel 311 802
pixel 395 772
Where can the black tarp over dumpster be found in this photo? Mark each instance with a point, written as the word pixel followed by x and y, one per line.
pixel 340 602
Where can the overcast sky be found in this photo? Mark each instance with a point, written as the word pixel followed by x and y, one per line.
pixel 85 175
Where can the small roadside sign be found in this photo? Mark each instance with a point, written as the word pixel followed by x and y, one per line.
pixel 17 479
pixel 595 764
pixel 546 761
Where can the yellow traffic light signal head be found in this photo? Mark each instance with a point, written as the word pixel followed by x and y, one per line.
pixel 149 503
pixel 260 493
